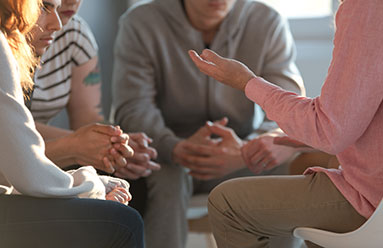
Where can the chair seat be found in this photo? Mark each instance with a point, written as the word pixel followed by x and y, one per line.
pixel 370 234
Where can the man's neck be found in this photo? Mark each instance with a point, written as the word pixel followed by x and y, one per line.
pixel 208 28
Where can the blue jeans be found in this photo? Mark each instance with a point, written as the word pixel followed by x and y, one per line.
pixel 45 222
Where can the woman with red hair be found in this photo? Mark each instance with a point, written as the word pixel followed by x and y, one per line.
pixel 41 205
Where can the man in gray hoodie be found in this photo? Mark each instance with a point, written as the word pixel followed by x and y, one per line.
pixel 158 90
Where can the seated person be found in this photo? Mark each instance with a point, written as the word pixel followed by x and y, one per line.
pixel 41 205
pixel 69 78
pixel 158 90
pixel 345 120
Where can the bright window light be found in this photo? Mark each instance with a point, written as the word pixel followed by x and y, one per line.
pixel 301 8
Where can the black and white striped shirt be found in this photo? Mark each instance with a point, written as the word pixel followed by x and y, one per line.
pixel 74 45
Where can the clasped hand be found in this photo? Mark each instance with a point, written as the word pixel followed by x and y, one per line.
pixel 207 157
pixel 109 149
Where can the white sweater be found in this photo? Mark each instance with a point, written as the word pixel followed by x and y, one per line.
pixel 23 164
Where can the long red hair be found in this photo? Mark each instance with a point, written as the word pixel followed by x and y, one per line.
pixel 17 18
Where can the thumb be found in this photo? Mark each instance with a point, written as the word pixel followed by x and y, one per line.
pixel 204 131
pixel 219 130
pixel 222 122
pixel 107 129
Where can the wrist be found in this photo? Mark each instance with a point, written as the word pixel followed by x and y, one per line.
pixel 60 151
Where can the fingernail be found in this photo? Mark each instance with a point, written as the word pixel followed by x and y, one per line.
pixel 209 123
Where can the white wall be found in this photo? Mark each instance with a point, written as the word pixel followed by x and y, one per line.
pixel 313 39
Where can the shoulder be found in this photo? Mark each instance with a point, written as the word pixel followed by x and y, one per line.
pixel 8 68
pixel 262 14
pixel 142 13
pixel 78 31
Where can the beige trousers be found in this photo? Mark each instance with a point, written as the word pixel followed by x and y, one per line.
pixel 246 212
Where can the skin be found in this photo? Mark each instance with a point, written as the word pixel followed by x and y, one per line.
pixel 207 15
pixel 233 73
pixel 42 36
pixel 105 147
pixel 68 9
pixel 209 158
pixel 48 23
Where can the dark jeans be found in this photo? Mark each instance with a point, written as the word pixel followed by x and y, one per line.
pixel 138 190
pixel 46 222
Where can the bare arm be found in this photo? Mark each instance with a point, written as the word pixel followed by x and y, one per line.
pixel 85 99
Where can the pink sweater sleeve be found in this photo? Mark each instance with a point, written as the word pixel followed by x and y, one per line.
pixel 352 92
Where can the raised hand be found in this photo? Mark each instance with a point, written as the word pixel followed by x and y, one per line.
pixel 227 71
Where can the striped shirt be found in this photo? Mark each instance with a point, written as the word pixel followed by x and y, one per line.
pixel 74 45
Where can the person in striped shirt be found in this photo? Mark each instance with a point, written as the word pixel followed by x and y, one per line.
pixel 69 78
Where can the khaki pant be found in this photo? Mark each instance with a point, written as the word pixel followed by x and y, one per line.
pixel 246 212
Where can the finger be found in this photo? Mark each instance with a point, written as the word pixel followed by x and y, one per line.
pixel 201 163
pixel 260 157
pixel 147 173
pixel 154 166
pixel 203 132
pixel 112 196
pixel 123 138
pixel 202 150
pixel 108 166
pixel 250 148
pixel 203 65
pixel 212 57
pixel 136 168
pixel 141 138
pixel 124 184
pixel 151 152
pixel 118 158
pixel 106 129
pixel 123 193
pixel 140 158
pixel 125 150
pixel 220 130
pixel 223 121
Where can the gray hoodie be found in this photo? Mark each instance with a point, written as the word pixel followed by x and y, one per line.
pixel 158 90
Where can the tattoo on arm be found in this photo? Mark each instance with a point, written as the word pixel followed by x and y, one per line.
pixel 94 77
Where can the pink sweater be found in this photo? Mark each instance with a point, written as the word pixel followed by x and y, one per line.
pixel 347 118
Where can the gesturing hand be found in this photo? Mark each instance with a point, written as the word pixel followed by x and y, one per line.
pixel 227 71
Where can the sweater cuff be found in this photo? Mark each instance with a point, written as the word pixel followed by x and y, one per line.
pixel 165 149
pixel 258 90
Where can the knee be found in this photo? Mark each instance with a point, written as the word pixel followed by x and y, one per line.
pixel 131 223
pixel 128 217
pixel 219 197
